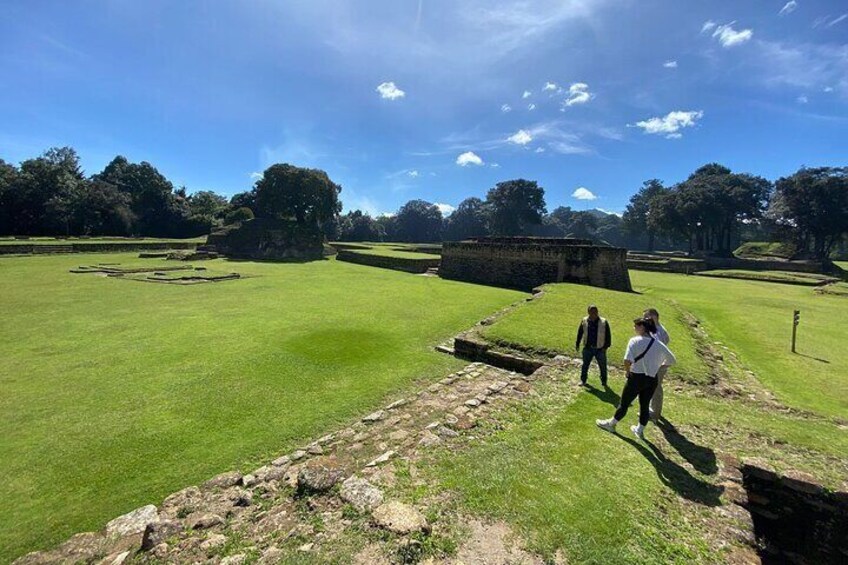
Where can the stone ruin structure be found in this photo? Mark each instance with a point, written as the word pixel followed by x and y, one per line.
pixel 268 239
pixel 524 263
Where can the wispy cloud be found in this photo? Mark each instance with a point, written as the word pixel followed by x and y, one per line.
pixel 506 108
pixel 838 20
pixel 802 99
pixel 390 91
pixel 255 176
pixel 802 65
pixel 788 8
pixel 527 94
pixel 670 64
pixel 550 87
pixel 727 35
pixel 531 107
pixel 469 158
pixel 670 124
pixel 445 209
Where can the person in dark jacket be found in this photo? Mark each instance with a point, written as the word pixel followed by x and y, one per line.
pixel 595 337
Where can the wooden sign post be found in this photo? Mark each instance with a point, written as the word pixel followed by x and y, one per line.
pixel 796 317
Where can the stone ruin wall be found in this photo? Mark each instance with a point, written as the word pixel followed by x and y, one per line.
pixel 524 263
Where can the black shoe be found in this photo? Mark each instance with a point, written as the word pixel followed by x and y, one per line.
pixel 604 384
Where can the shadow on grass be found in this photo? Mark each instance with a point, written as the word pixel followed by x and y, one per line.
pixel 676 477
pixel 604 395
pixel 813 358
pixel 700 457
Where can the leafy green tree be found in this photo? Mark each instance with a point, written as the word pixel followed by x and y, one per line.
pixel 814 202
pixel 636 214
pixel 45 187
pixel 8 183
pixel 207 203
pixel 238 216
pixel 306 195
pixel 387 225
pixel 515 207
pixel 468 220
pixel 358 226
pixel 419 221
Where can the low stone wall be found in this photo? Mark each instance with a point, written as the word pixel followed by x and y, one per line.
pixel 269 239
pixel 471 349
pixel 524 263
pixel 757 265
pixel 795 519
pixel 32 249
pixel 407 265
pixel 671 266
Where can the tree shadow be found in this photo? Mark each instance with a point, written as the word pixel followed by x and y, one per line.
pixel 700 457
pixel 676 477
pixel 604 395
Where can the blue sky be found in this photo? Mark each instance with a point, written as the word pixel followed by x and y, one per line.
pixel 430 99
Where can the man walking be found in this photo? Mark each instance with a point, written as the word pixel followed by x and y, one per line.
pixel 595 337
pixel 662 335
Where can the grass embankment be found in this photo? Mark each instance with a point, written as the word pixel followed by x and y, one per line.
pixel 116 393
pixel 790 277
pixel 550 324
pixel 601 498
pixel 765 249
pixel 754 319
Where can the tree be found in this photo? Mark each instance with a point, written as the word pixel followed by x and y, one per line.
pixel 358 226
pixel 419 221
pixel 238 216
pixel 243 200
pixel 8 183
pixel 306 195
pixel 636 214
pixel 583 225
pixel 515 206
pixel 814 202
pixel 468 220
pixel 387 224
pixel 207 203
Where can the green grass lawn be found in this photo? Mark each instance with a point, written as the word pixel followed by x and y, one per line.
pixel 117 393
pixel 385 251
pixel 550 323
pixel 755 320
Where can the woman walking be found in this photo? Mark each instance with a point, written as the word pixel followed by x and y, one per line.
pixel 644 358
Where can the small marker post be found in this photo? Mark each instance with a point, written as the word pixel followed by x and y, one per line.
pixel 796 318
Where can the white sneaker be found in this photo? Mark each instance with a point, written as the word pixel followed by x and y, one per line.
pixel 608 425
pixel 638 431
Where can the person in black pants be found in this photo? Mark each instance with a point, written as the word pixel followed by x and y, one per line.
pixel 644 357
pixel 595 336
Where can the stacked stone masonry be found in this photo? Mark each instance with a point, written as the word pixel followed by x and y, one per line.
pixel 524 263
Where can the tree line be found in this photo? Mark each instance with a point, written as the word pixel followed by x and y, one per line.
pixel 711 211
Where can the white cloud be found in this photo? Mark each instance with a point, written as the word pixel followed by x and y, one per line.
pixel 255 176
pixel 670 124
pixel 521 137
pixel 495 165
pixel 583 193
pixel 389 91
pixel 469 158
pixel 708 25
pixel 506 108
pixel 605 211
pixel 413 173
pixel 670 64
pixel 729 37
pixel 445 209
pixel 835 21
pixel 788 8
pixel 527 94
pixel 550 87
pixel 531 107
pixel 828 89
pixel 802 99
pixel 807 67
pixel 540 150
pixel 578 93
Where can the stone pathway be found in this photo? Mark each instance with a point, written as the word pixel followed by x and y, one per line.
pixel 236 517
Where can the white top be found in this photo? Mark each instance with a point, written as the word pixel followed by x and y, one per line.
pixel 656 357
pixel 661 334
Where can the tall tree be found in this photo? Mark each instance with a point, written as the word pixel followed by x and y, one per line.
pixel 636 214
pixel 8 183
pixel 358 226
pixel 40 202
pixel 814 202
pixel 515 207
pixel 468 220
pixel 419 221
pixel 306 195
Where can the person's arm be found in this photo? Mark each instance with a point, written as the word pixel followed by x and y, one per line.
pixel 608 339
pixel 670 359
pixel 628 357
pixel 579 336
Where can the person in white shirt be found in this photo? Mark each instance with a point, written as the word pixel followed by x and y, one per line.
pixel 643 359
pixel 655 409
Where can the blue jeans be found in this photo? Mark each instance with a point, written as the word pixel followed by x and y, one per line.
pixel 600 355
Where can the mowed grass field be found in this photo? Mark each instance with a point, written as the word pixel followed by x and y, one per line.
pixel 595 497
pixel 116 393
